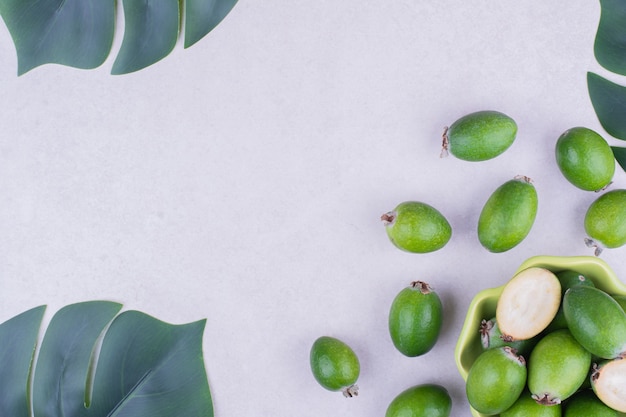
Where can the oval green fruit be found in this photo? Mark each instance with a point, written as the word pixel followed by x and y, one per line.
pixel 525 406
pixel 415 319
pixel 495 380
pixel 427 400
pixel 557 367
pixel 585 159
pixel 417 227
pixel 609 383
pixel 508 215
pixel 586 404
pixel 596 320
pixel 335 366
pixel 605 220
pixel 480 136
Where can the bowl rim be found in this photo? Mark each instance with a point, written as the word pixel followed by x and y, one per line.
pixel 555 263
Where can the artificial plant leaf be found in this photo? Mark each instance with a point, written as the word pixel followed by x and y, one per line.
pixel 609 103
pixel 63 364
pixel 610 42
pixel 148 368
pixel 620 156
pixel 18 339
pixel 78 33
pixel 202 16
pixel 150 34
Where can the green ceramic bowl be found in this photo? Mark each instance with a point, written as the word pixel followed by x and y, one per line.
pixel 483 306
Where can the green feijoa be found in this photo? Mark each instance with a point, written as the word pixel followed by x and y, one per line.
pixel 415 319
pixel 608 381
pixel 605 221
pixel 525 406
pixel 596 320
pixel 557 367
pixel 508 215
pixel 426 400
pixel 586 404
pixel 335 365
pixel 585 158
pixel 417 227
pixel 491 337
pixel 495 380
pixel 568 279
pixel 479 136
pixel 621 300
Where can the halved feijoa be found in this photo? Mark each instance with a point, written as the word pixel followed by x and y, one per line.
pixel 480 135
pixel 605 221
pixel 609 383
pixel 528 303
pixel 427 400
pixel 508 215
pixel 495 380
pixel 585 159
pixel 417 227
pixel 415 319
pixel 596 320
pixel 335 365
pixel 557 367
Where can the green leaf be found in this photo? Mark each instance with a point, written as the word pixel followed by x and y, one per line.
pixel 610 42
pixel 64 358
pixel 18 338
pixel 620 156
pixel 143 367
pixel 150 368
pixel 152 28
pixel 202 16
pixel 78 33
pixel 609 103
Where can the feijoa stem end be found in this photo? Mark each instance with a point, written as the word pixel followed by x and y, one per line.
pixel 388 218
pixel 445 143
pixel 593 244
pixel 422 286
pixel 485 327
pixel 546 399
pixel 351 391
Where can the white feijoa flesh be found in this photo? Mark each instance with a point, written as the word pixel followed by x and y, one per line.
pixel 528 303
pixel 609 384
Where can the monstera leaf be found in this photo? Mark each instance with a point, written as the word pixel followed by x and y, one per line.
pixel 609 103
pixel 94 362
pixel 610 42
pixel 79 33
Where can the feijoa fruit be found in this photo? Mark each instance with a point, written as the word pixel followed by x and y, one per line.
pixel 557 367
pixel 508 215
pixel 605 221
pixel 479 136
pixel 335 366
pixel 426 400
pixel 528 303
pixel 417 227
pixel 587 404
pixel 596 320
pixel 609 383
pixel 568 279
pixel 585 159
pixel 491 337
pixel 495 380
pixel 415 319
